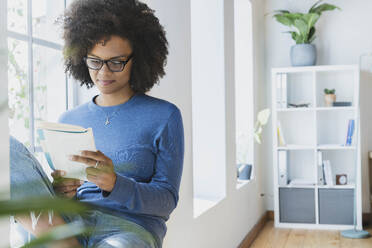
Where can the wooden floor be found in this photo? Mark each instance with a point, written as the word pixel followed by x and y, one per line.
pixel 271 237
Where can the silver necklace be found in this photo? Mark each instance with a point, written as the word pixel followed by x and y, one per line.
pixel 108 117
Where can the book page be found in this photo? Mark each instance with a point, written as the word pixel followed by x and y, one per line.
pixel 59 126
pixel 60 145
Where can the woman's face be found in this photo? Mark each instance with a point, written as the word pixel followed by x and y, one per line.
pixel 108 82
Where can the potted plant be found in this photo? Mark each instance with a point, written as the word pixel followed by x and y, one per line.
pixel 329 97
pixel 244 169
pixel 303 53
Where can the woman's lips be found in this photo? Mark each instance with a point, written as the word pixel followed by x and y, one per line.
pixel 105 82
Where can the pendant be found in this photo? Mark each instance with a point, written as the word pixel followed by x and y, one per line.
pixel 107 122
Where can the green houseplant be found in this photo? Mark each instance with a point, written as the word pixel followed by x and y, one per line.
pixel 244 169
pixel 329 97
pixel 303 31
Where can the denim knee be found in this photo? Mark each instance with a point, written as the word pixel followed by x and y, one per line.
pixel 15 145
pixel 27 178
pixel 123 240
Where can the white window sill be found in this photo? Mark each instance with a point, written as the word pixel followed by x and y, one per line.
pixel 202 205
pixel 240 183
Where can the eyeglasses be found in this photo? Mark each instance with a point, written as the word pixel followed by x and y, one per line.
pixel 113 65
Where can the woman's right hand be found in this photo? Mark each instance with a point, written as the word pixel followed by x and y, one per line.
pixel 65 187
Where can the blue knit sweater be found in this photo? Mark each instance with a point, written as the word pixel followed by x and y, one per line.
pixel 145 141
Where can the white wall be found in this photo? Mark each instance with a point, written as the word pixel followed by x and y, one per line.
pixel 234 216
pixel 227 223
pixel 341 37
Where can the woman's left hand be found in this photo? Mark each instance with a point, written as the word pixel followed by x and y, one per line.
pixel 100 169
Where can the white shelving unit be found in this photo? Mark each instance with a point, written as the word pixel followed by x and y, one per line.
pixel 308 131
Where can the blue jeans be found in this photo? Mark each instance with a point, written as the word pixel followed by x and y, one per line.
pixel 28 179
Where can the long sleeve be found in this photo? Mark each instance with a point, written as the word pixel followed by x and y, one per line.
pixel 159 197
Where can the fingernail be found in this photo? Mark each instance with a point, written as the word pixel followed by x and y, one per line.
pixel 81 152
pixel 71 157
pixel 63 173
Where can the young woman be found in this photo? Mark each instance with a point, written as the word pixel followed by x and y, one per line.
pixel 134 177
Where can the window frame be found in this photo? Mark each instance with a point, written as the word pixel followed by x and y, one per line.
pixel 28 37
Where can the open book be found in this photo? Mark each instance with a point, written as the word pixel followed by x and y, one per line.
pixel 58 141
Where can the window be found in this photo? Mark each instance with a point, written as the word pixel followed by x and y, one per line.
pixel 38 88
pixel 37 84
pixel 208 103
pixel 244 97
pixel 209 83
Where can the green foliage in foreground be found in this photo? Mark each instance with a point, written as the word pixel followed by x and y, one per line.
pixel 58 205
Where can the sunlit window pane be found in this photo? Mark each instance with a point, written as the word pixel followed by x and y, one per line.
pixel 244 111
pixel 49 84
pixel 18 90
pixel 17 16
pixel 44 15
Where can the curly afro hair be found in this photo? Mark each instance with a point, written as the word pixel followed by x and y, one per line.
pixel 87 22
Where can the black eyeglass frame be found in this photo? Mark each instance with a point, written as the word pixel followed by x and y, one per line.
pixel 105 61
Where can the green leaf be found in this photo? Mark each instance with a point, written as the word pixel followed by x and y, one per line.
pixel 314 6
pixel 323 7
pixel 293 16
pixel 311 19
pixel 27 123
pixel 283 20
pixel 59 233
pixel 312 39
pixel 282 11
pixel 59 205
pixel 311 36
pixel 257 137
pixel 302 28
pixel 328 91
pixel 13 207
pixel 294 36
pixel 277 11
pixel 311 32
pixel 263 116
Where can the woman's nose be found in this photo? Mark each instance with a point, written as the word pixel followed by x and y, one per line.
pixel 104 69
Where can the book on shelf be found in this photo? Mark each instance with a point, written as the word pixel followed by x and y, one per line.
pixel 284 91
pixel 58 141
pixel 281 90
pixel 301 182
pixel 342 104
pixel 282 164
pixel 350 132
pixel 320 169
pixel 281 140
pixel 328 173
